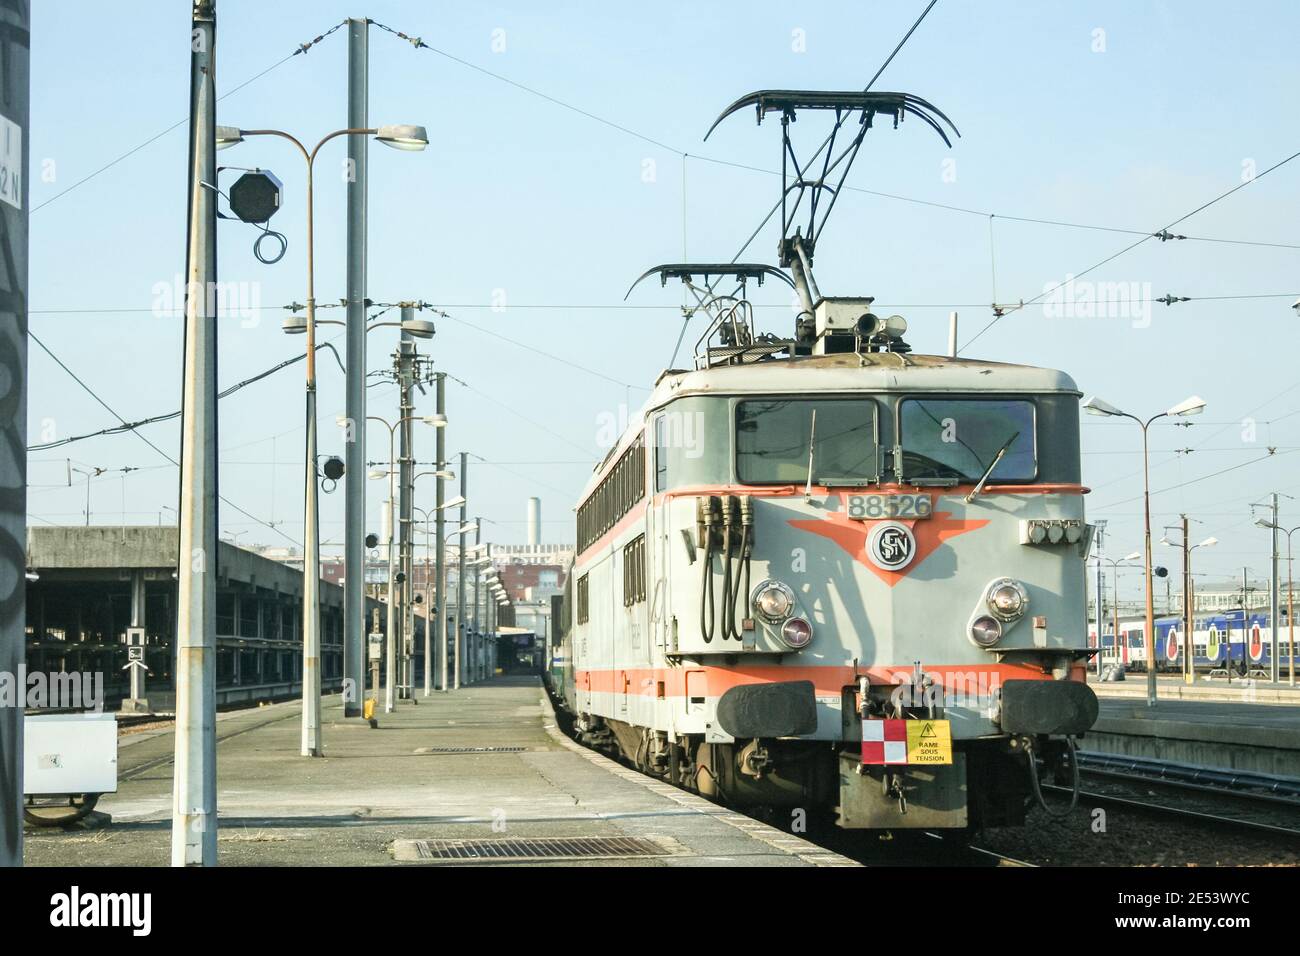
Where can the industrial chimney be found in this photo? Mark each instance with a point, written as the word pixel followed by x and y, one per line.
pixel 534 522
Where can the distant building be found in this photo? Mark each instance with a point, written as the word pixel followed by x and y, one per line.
pixel 530 582
pixel 557 554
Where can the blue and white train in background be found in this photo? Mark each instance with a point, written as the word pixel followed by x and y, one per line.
pixel 1217 640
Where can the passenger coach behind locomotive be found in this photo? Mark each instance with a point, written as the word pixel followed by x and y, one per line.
pixel 824 573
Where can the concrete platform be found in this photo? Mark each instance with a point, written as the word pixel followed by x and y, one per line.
pixel 378 793
pixel 1173 688
pixel 1239 735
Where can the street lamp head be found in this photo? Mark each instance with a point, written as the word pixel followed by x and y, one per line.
pixel 294 325
pixel 376 473
pixel 454 503
pixel 1208 542
pixel 437 421
pixel 413 138
pixel 228 136
pixel 420 328
pixel 1099 406
pixel 1263 523
pixel 1190 406
pixel 1132 557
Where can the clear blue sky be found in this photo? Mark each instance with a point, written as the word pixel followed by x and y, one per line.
pixel 521 195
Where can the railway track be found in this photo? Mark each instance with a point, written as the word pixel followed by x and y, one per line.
pixel 980 855
pixel 1219 821
pixel 910 848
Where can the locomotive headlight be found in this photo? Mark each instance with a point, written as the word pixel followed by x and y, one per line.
pixel 985 631
pixel 774 601
pixel 796 632
pixel 1007 599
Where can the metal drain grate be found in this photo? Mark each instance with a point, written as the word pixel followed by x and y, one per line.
pixel 529 848
pixel 472 750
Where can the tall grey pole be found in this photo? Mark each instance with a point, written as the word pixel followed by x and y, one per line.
pixel 311 722
pixel 354 487
pixel 390 633
pixel 475 667
pixel 460 575
pixel 439 643
pixel 14 99
pixel 1100 594
pixel 194 804
pixel 137 620
pixel 1275 672
pixel 1149 637
pixel 405 379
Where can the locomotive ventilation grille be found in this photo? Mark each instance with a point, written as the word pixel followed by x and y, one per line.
pixel 529 848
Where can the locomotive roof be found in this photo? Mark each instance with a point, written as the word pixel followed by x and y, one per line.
pixel 875 371
pixel 843 371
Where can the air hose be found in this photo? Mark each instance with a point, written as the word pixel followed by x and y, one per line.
pixel 736 601
pixel 1037 786
pixel 706 526
pixel 728 517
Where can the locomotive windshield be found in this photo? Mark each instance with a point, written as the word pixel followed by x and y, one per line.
pixel 958 439
pixel 774 438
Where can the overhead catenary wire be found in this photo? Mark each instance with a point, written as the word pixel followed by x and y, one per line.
pixel 661 307
pixel 1134 245
pixel 93 394
pixel 302 48
pixel 418 43
pixel 514 411
pixel 169 416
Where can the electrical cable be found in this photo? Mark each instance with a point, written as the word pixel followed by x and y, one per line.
pixel 1075 785
pixel 302 48
pixel 132 426
pixel 1134 245
pixel 91 392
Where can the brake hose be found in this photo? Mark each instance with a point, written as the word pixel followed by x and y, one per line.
pixel 1037 786
pixel 735 609
pixel 727 509
pixel 706 583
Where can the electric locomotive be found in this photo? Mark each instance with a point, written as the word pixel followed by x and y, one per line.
pixel 823 573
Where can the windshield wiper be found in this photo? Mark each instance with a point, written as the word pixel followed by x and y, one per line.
pixel 979 485
pixel 812 444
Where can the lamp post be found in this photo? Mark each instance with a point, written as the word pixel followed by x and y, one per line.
pixel 89 474
pixel 460 575
pixel 353 630
pixel 1189 610
pixel 399 137
pixel 1190 406
pixel 1290 605
pixel 390 637
pixel 435 644
pixel 430 613
pixel 1114 577
pixel 450 681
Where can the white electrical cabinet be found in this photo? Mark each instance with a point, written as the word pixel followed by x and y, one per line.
pixel 69 754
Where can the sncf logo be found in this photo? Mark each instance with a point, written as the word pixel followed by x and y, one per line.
pixel 891 545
